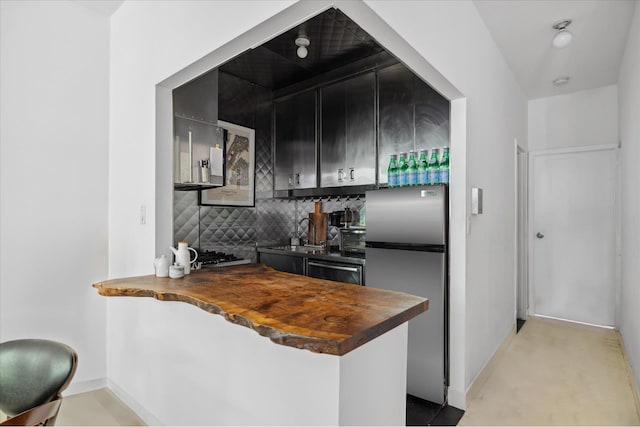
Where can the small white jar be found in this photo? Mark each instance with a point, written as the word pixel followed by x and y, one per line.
pixel 176 271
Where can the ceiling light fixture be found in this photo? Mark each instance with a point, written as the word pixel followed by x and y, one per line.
pixel 302 42
pixel 561 81
pixel 563 37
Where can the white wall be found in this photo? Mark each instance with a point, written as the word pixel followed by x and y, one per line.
pixel 148 46
pixel 453 38
pixel 54 139
pixel 579 119
pixel 629 106
pixel 150 41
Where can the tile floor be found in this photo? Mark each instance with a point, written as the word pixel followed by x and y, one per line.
pixel 552 373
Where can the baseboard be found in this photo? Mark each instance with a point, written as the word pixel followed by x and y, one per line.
pixel 474 388
pixel 146 416
pixel 635 387
pixel 456 398
pixel 84 386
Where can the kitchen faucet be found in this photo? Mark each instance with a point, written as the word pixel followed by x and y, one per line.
pixel 309 225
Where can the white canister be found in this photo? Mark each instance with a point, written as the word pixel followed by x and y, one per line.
pixel 176 271
pixel 162 266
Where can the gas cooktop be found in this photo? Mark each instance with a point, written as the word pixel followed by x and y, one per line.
pixel 218 259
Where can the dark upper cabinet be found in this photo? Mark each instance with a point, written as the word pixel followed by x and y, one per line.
pixel 295 142
pixel 412 116
pixel 354 144
pixel 198 99
pixel 348 137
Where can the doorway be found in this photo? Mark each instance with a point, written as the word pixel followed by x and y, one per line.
pixel 386 36
pixel 522 279
pixel 573 234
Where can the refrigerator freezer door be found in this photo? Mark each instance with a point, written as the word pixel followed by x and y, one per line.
pixel 413 215
pixel 422 274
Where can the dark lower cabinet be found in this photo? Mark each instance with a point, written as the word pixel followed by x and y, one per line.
pixel 339 272
pixel 288 264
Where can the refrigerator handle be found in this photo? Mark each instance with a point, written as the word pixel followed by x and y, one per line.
pixel 420 247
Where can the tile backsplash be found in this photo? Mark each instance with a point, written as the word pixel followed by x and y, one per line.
pixel 271 221
pixel 238 230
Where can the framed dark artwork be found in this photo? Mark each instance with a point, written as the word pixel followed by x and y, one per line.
pixel 239 163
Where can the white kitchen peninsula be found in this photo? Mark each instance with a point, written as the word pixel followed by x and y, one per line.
pixel 335 353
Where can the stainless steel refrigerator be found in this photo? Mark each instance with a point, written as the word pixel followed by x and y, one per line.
pixel 406 251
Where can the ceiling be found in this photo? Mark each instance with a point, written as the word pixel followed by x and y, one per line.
pixel 103 7
pixel 522 31
pixel 336 41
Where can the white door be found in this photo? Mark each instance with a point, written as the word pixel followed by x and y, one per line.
pixel 572 235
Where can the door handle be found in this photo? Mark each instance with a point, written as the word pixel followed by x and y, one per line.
pixel 539 235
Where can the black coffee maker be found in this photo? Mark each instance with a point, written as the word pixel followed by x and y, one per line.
pixel 341 219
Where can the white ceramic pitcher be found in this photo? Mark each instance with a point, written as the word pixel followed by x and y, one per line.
pixel 183 257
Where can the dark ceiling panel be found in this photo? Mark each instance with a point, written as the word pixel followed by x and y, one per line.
pixel 335 41
pixel 265 68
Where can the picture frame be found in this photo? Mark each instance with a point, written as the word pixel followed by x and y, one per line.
pixel 239 164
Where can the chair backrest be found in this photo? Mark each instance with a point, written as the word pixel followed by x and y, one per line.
pixel 33 372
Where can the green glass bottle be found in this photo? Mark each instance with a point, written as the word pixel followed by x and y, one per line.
pixel 423 177
pixel 443 167
pixel 412 170
pixel 402 170
pixel 432 170
pixel 392 172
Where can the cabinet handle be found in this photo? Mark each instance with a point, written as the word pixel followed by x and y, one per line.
pixel 340 175
pixel 334 267
pixel 352 174
pixel 290 180
pixel 297 179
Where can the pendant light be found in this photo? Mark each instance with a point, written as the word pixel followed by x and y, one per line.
pixel 302 42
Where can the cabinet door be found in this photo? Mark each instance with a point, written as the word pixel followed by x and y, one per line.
pixel 395 103
pixel 295 145
pixel 432 113
pixel 413 116
pixel 360 159
pixel 334 138
pixel 338 272
pixel 286 263
pixel 348 149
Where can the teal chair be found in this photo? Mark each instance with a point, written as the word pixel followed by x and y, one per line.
pixel 33 373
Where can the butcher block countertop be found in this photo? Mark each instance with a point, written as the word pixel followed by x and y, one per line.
pixel 293 310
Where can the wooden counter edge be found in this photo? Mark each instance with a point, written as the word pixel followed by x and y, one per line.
pixel 313 344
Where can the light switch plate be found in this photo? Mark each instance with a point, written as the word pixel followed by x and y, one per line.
pixel 143 214
pixel 476 201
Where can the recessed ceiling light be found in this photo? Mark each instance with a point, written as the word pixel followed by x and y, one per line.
pixel 561 81
pixel 563 37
